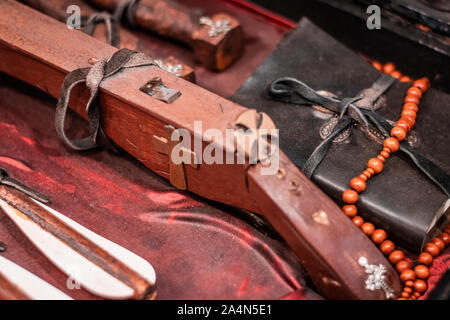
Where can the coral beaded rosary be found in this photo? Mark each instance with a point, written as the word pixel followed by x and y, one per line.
pixel 414 279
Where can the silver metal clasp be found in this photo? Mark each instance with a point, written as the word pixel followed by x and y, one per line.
pixel 158 90
pixel 377 277
pixel 216 28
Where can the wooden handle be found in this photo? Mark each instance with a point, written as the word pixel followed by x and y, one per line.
pixel 99 265
pixel 325 240
pixel 166 18
pixel 175 21
pixel 58 9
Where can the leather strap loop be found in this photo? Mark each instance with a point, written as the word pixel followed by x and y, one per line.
pixel 127 9
pixel 111 23
pixel 93 77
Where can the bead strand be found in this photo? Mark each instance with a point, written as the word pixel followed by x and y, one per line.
pixel 414 279
pixel 389 68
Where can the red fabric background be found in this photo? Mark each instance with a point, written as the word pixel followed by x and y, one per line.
pixel 199 249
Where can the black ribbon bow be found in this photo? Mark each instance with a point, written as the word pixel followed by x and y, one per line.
pixel 291 90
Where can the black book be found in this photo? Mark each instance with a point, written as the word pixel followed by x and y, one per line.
pixel 402 199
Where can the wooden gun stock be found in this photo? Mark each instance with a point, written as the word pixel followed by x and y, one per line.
pixel 58 10
pixel 327 243
pixel 325 240
pixel 175 21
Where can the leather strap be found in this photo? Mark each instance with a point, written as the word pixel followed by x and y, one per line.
pixel 93 77
pixel 112 27
pixel 291 90
pixel 127 9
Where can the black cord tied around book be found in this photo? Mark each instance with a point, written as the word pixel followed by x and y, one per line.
pixel 291 90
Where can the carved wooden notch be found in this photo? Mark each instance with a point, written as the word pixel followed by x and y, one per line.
pixel 165 145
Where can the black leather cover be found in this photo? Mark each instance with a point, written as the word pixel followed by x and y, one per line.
pixel 401 199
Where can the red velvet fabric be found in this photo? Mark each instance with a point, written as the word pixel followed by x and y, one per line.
pixel 200 250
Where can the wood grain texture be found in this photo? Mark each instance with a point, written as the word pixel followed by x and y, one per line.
pixel 131 118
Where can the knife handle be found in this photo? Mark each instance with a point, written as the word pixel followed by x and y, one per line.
pixel 176 21
pixel 102 267
pixel 328 244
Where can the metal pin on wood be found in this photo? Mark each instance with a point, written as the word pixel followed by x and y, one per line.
pixel 158 90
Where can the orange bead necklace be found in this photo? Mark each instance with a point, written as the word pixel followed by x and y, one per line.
pixel 413 278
